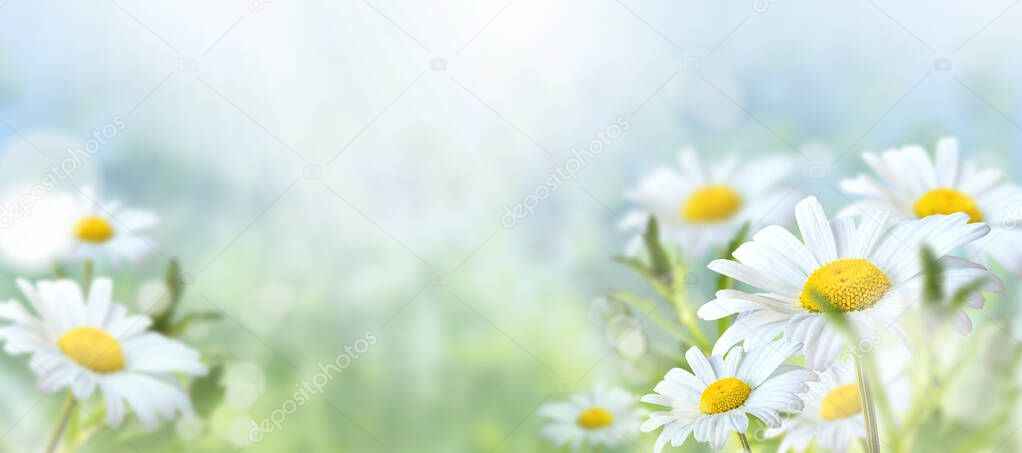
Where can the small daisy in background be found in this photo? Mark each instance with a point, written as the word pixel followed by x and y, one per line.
pixel 34 237
pixel 701 207
pixel 912 185
pixel 833 417
pixel 870 272
pixel 716 399
pixel 85 341
pixel 108 230
pixel 603 417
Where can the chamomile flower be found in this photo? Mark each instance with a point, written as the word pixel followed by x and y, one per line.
pixel 871 272
pixel 716 399
pixel 34 235
pixel 914 186
pixel 833 416
pixel 603 417
pixel 108 230
pixel 85 342
pixel 701 207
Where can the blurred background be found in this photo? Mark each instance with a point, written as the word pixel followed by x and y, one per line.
pixel 332 171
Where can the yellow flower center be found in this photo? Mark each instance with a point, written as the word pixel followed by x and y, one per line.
pixel 713 203
pixel 595 418
pixel 93 348
pixel 850 284
pixel 724 395
pixel 947 201
pixel 842 402
pixel 94 229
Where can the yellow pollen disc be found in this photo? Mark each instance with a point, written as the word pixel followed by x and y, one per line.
pixel 595 418
pixel 93 348
pixel 724 395
pixel 711 204
pixel 947 201
pixel 94 229
pixel 850 284
pixel 843 401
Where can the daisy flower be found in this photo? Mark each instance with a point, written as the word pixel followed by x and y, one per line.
pixel 601 417
pixel 107 229
pixel 33 237
pixel 88 342
pixel 833 414
pixel 871 272
pixel 718 397
pixel 701 207
pixel 912 185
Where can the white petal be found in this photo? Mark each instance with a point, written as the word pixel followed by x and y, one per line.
pixel 754 277
pixel 700 366
pixel 761 362
pixel 947 167
pixel 815 228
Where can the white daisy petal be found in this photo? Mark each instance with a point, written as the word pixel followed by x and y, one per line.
pixel 815 228
pixel 844 236
pixel 701 206
pixel 700 366
pixel 882 262
pixel 88 344
pixel 752 276
pixel 911 186
pixel 947 168
pixel 753 384
pixel 602 417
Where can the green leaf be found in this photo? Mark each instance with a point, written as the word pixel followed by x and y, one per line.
pixel 207 392
pixel 961 296
pixel 186 321
pixel 175 288
pixel 661 263
pixel 933 276
pixel 74 427
pixel 635 264
pixel 648 309
pixel 59 271
pixel 831 312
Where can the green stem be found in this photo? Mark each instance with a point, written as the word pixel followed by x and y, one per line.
pixel 745 442
pixel 86 276
pixel 58 270
pixel 65 417
pixel 868 409
pixel 648 309
pixel 687 316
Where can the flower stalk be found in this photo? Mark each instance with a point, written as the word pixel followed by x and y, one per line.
pixel 65 417
pixel 87 271
pixel 868 408
pixel 745 443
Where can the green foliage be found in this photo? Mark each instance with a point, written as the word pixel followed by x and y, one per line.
pixel 207 392
pixel 635 264
pixel 832 313
pixel 186 321
pixel 175 288
pixel 165 321
pixel 660 262
pixel 962 295
pixel 933 276
pixel 669 277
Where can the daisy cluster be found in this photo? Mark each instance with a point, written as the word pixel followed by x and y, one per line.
pixel 78 340
pixel 804 304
